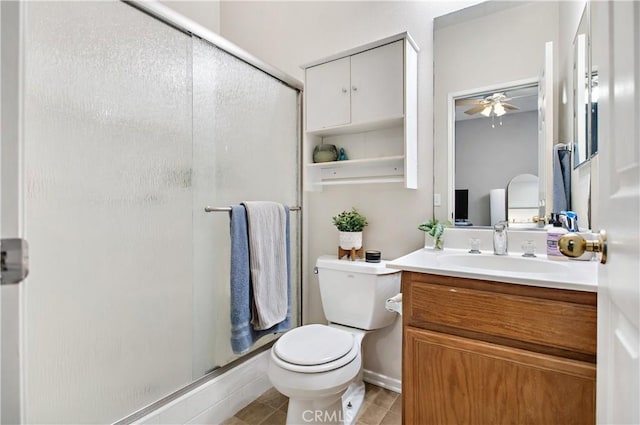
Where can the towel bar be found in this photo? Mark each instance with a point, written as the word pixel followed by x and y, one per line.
pixel 220 209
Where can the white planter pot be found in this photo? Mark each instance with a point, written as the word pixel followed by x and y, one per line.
pixel 349 240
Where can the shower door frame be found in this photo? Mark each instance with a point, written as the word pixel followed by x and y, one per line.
pixel 188 26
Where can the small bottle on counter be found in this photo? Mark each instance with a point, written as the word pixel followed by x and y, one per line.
pixel 554 233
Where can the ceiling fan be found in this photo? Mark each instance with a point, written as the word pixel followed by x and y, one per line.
pixel 495 103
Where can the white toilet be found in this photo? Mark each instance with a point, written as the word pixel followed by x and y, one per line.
pixel 319 367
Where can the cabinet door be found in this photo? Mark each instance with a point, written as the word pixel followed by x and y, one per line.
pixel 328 94
pixel 454 380
pixel 377 83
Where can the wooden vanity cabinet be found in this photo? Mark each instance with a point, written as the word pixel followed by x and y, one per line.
pixel 482 352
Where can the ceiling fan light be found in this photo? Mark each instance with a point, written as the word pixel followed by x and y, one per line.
pixel 486 111
pixel 499 110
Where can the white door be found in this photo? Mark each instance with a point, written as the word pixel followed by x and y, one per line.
pixel 616 44
pixel 377 83
pixel 327 94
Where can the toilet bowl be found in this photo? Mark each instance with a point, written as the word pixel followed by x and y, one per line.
pixel 319 367
pixel 314 365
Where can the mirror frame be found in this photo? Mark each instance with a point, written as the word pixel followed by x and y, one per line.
pixel 582 121
pixel 451 130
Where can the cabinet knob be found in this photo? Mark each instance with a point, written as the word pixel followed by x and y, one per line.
pixel 344 90
pixel 354 88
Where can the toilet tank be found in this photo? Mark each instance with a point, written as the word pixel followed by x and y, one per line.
pixel 353 293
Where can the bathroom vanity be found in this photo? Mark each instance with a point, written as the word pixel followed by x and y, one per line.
pixel 491 346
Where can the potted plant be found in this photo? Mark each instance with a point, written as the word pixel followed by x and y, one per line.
pixel 350 225
pixel 435 229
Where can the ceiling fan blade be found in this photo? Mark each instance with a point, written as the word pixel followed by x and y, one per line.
pixel 510 107
pixel 521 96
pixel 474 110
pixel 460 102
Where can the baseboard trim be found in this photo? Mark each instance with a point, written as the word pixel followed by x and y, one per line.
pixel 383 381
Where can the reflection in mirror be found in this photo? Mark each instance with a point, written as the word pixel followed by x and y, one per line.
pixel 581 107
pixel 466 56
pixel 495 140
pixel 593 93
pixel 522 200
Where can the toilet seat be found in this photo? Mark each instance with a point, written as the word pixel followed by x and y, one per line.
pixel 315 349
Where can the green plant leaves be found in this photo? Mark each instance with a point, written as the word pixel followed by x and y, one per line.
pixel 435 228
pixel 350 221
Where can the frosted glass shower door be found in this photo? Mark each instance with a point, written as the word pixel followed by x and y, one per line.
pixel 246 141
pixel 107 142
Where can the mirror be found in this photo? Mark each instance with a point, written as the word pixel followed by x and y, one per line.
pixel 471 54
pixel 581 86
pixel 501 127
pixel 593 88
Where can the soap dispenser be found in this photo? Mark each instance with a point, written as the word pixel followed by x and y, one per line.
pixel 554 233
pixel 500 238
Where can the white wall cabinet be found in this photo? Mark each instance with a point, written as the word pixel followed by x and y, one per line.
pixel 330 102
pixel 365 101
pixel 357 89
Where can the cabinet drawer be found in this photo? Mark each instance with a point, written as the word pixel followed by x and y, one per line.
pixel 555 323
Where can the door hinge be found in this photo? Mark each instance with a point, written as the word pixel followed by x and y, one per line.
pixel 14 261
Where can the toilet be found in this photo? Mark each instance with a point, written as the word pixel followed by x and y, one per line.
pixel 319 367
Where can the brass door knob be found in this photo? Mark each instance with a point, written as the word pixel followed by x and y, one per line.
pixel 574 245
pixel 538 219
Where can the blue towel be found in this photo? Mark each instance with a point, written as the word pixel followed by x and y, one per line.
pixel 561 179
pixel 243 336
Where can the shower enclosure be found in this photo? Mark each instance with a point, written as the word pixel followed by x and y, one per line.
pixel 128 126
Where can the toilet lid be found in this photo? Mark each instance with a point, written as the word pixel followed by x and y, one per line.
pixel 313 345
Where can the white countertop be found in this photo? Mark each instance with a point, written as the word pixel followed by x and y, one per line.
pixel 569 274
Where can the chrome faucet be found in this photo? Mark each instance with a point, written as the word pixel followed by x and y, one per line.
pixel 500 240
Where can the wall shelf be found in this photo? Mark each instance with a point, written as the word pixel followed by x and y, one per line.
pixel 365 101
pixel 388 169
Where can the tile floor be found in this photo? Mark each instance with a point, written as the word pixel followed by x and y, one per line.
pixel 381 407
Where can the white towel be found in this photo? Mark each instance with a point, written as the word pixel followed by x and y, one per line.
pixel 268 262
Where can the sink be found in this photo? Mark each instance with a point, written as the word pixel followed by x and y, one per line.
pixel 512 268
pixel 496 263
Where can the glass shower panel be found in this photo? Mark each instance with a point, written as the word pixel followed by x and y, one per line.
pixel 246 147
pixel 107 139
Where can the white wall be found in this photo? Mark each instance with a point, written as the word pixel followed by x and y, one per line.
pixel 503 46
pixel 508 150
pixel 288 34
